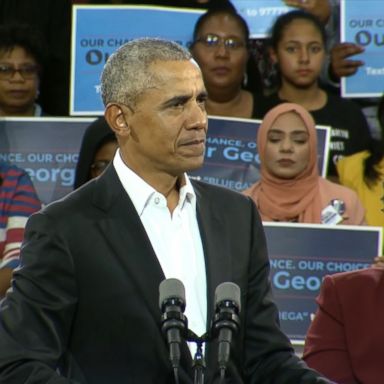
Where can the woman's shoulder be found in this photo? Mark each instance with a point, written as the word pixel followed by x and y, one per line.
pixel 353 213
pixel 370 278
pixel 336 102
pixel 351 166
pixel 10 170
pixel 252 191
pixel 337 191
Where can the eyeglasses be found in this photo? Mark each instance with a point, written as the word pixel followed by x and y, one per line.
pixel 99 166
pixel 213 41
pixel 28 71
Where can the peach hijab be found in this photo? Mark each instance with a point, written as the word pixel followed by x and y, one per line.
pixel 297 199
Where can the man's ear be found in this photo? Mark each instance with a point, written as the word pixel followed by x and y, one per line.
pixel 118 119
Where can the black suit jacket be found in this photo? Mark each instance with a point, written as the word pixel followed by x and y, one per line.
pixel 84 304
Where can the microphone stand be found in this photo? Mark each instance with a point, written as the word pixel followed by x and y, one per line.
pixel 199 363
pixel 198 360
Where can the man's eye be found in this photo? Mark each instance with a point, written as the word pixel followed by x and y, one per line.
pixel 202 100
pixel 177 105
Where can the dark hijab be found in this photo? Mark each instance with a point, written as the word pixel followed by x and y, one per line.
pixel 94 137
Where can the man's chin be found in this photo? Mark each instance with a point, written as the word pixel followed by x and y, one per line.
pixel 194 165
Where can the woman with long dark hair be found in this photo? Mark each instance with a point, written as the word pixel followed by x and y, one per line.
pixel 364 172
pixel 298 49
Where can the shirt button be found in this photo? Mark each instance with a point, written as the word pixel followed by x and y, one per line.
pixel 157 200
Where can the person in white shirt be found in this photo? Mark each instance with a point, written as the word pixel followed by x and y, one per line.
pixel 85 303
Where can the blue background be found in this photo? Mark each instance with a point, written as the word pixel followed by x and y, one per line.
pixel 93 30
pixel 361 84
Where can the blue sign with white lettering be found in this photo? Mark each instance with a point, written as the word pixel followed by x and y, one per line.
pixel 48 149
pixel 363 24
pixel 97 31
pixel 302 254
pixel 260 14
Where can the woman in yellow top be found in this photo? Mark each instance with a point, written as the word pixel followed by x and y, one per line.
pixel 364 173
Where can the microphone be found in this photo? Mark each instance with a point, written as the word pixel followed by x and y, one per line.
pixel 226 321
pixel 173 321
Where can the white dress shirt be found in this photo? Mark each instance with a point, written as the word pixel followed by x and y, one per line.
pixel 175 239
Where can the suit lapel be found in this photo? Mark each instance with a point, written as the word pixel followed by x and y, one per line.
pixel 216 234
pixel 125 233
pixel 213 232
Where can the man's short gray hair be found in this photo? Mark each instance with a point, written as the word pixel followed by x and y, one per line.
pixel 126 73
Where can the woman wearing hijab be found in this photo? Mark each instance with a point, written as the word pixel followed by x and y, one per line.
pixel 290 188
pixel 298 49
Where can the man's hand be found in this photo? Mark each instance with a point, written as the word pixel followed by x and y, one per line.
pixel 319 8
pixel 341 65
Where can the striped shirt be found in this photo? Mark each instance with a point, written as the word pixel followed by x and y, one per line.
pixel 18 200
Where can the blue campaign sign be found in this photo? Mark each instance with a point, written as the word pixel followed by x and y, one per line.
pixel 97 31
pixel 231 157
pixel 302 254
pixel 260 14
pixel 47 148
pixel 362 22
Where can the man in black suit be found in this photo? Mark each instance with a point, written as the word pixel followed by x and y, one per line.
pixel 83 307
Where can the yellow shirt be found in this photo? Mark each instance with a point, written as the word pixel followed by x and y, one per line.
pixel 351 171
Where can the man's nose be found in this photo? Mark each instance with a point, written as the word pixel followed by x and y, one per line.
pixel 198 118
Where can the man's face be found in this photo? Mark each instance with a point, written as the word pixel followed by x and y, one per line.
pixel 168 124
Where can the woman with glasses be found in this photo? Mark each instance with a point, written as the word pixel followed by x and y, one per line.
pixel 220 46
pixel 22 56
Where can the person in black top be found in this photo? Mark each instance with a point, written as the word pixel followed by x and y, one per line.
pixel 98 146
pixel 298 42
pixel 221 48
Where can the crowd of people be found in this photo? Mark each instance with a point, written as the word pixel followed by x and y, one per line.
pixel 133 198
